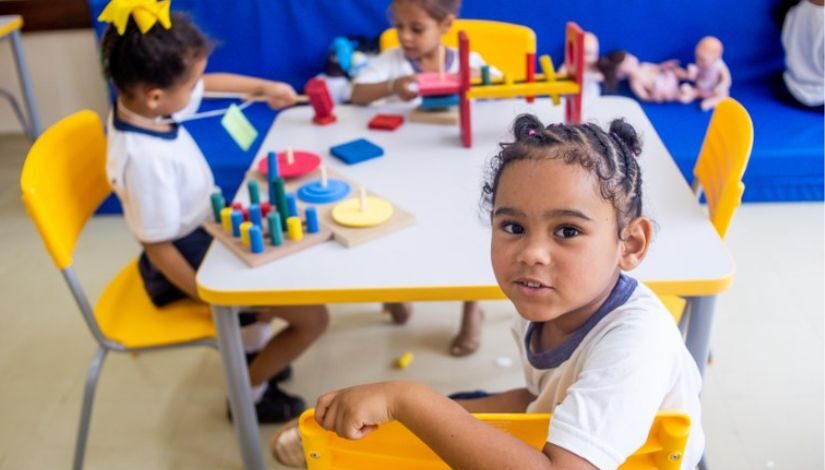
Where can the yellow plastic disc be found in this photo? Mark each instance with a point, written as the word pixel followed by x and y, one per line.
pixel 349 213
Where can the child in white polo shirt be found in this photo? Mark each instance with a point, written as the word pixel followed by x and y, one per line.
pixel 164 182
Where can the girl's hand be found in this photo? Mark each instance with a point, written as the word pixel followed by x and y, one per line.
pixel 279 95
pixel 406 87
pixel 354 412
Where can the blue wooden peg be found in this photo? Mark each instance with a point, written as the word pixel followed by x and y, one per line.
pixel 312 219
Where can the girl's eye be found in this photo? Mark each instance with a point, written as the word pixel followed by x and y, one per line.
pixel 568 232
pixel 417 30
pixel 512 227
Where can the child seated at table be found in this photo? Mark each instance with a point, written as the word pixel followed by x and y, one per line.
pixel 420 25
pixel 599 350
pixel 156 62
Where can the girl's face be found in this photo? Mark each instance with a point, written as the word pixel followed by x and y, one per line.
pixel 555 249
pixel 419 34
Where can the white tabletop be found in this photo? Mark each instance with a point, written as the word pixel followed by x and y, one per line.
pixel 426 171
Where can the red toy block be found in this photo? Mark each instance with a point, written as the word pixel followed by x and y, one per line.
pixel 431 83
pixel 265 208
pixel 316 90
pixel 237 206
pixel 388 122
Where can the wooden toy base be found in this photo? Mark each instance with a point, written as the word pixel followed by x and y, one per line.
pixel 449 116
pixel 348 236
pixel 270 253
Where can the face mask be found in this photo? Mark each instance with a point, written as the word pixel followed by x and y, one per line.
pixel 190 111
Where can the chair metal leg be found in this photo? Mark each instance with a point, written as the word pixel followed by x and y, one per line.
pixel 86 411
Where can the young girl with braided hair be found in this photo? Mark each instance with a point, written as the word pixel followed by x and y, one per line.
pixel 599 350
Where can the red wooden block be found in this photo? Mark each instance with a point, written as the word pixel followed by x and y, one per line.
pixel 318 93
pixel 265 208
pixel 237 206
pixel 389 122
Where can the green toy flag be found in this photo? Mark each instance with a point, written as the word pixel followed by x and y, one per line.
pixel 239 127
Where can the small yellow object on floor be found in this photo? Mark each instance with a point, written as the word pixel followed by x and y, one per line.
pixel 404 361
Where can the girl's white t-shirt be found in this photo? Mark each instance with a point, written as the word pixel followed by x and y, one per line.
pixel 161 178
pixel 605 395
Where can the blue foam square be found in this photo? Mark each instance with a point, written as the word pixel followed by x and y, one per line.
pixel 356 151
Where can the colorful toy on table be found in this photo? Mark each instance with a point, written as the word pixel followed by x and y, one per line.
pixel 218 205
pixel 546 84
pixel 316 90
pixel 363 211
pixel 593 76
pixel 387 122
pixel 323 190
pixel 356 151
pixel 710 76
pixel 290 163
pixel 258 243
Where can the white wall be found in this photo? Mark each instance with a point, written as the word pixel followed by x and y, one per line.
pixel 65 73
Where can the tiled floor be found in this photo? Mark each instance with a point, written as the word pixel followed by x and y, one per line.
pixel 763 399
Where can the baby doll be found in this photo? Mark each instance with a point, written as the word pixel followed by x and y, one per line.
pixel 710 76
pixel 648 81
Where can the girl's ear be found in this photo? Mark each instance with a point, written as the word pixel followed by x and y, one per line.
pixel 445 24
pixel 635 242
pixel 152 98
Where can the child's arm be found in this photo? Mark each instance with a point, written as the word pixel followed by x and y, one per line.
pixel 278 94
pixel 458 438
pixel 366 93
pixel 172 264
pixel 512 401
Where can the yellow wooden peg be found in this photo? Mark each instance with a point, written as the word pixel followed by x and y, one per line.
pixel 226 219
pixel 294 230
pixel 404 361
pixel 245 226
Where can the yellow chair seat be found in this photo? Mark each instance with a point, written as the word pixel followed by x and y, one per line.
pixel 125 314
pixel 393 446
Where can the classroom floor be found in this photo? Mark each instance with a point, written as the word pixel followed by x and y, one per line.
pixel 763 397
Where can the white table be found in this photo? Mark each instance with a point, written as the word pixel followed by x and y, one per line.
pixel 445 254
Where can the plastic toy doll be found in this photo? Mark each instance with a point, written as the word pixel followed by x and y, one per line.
pixel 710 76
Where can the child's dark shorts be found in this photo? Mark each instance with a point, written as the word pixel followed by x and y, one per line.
pixel 193 247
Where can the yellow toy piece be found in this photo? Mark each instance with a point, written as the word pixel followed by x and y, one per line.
pixel 394 446
pixel 226 219
pixel 404 361
pixel 549 75
pixel 245 226
pixel 294 229
pixel 350 214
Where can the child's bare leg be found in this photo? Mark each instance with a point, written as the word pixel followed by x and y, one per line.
pixel 400 312
pixel 468 338
pixel 305 325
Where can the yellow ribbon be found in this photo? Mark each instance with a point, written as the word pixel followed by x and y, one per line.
pixel 145 12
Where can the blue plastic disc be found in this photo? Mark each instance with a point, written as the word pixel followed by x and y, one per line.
pixel 314 193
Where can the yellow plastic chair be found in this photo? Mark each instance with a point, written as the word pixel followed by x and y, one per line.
pixel 63 182
pixel 502 45
pixel 718 172
pixel 394 446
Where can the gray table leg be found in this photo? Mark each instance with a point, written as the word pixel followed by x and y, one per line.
pixel 34 126
pixel 700 323
pixel 237 383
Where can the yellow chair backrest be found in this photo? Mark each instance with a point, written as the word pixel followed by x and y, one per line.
pixel 503 45
pixel 394 446
pixel 722 162
pixel 64 181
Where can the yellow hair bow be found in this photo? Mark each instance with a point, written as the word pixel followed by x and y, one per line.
pixel 145 12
